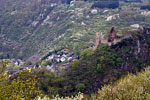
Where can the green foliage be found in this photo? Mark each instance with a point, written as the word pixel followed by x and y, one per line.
pixel 28 63
pixel 132 87
pixel 21 87
pixel 103 66
pixel 85 54
pixel 49 82
pixel 145 7
pixel 3 66
pixel 113 4
pixel 103 47
pixel 61 29
pixel 108 58
pixel 75 64
pixel 71 8
pixel 46 62
pixel 119 61
pixel 99 68
pixel 80 87
pixel 1 55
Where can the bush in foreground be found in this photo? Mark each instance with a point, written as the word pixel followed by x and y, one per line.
pixel 17 87
pixel 132 87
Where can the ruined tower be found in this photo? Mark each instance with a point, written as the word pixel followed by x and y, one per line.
pixel 112 35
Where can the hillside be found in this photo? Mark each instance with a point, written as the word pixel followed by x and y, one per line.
pixel 91 49
pixel 99 67
pixel 31 28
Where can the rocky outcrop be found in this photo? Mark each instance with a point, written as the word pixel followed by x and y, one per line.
pixel 94 11
pixel 112 17
pixel 135 50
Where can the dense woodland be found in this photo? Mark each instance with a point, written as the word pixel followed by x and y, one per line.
pixel 145 7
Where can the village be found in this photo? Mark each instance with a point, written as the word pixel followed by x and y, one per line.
pixel 14 66
pixel 57 61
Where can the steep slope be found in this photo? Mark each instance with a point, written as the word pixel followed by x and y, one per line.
pixel 19 20
pixel 99 67
pixel 31 28
pixel 107 64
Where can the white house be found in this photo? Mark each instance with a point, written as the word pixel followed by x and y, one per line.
pixel 63 59
pixel 51 57
pixel 57 59
pixel 135 25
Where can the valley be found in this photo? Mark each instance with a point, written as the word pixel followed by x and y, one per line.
pixel 83 49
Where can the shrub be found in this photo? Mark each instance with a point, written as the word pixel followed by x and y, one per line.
pixel 145 7
pixel 22 86
pixel 80 87
pixel 131 87
pixel 75 64
pixel 85 54
pixel 106 4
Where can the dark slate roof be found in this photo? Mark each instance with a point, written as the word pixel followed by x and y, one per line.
pixel 21 68
pixel 11 72
pixel 29 66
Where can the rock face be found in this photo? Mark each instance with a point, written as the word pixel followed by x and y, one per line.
pixel 113 17
pixel 135 26
pixel 137 48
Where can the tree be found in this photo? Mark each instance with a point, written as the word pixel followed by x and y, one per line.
pixel 21 86
pixel 85 54
pixel 68 1
pixel 131 87
pixel 80 87
pixel 99 68
pixel 3 65
pixel 75 64
pixel 108 59
pixel 113 4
